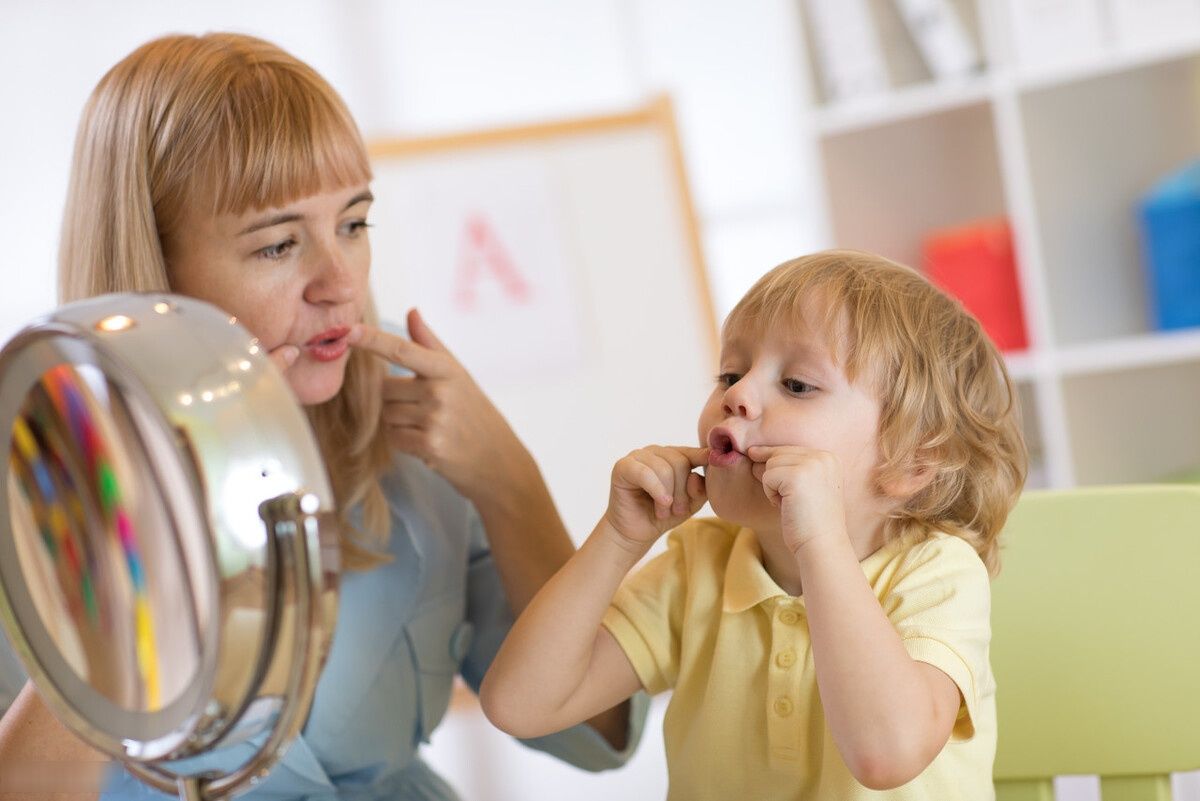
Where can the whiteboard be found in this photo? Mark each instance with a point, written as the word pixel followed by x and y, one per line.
pixel 562 264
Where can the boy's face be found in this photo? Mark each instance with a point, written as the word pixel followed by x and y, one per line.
pixel 784 387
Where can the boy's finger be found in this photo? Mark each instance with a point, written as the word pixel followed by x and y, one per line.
pixel 682 468
pixel 662 467
pixel 697 456
pixel 696 490
pixel 761 453
pixel 398 350
pixel 645 478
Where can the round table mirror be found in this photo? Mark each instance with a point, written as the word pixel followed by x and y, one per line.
pixel 168 545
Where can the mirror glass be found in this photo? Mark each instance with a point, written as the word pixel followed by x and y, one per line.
pixel 94 540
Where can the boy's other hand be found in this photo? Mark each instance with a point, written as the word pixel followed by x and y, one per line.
pixel 806 485
pixel 653 490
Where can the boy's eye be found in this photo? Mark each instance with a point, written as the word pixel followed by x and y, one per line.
pixel 278 250
pixel 728 379
pixel 797 387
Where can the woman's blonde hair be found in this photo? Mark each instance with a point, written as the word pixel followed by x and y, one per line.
pixel 238 123
pixel 948 407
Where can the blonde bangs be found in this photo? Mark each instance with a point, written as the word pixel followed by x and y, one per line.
pixel 279 138
pixel 246 127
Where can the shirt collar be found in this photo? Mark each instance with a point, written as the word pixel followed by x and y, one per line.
pixel 747 582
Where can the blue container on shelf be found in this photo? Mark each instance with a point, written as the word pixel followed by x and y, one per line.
pixel 1170 216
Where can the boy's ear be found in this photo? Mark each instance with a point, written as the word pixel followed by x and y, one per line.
pixel 913 481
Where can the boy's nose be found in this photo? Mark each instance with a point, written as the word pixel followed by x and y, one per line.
pixel 737 402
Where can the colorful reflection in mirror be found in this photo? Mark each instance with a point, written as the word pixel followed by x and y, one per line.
pixel 93 540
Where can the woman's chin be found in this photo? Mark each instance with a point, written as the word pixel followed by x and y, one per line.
pixel 313 387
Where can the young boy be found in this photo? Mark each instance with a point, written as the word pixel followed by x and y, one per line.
pixel 827 636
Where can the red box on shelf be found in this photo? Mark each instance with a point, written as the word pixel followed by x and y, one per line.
pixel 976 264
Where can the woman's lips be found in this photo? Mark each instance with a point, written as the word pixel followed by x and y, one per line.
pixel 329 345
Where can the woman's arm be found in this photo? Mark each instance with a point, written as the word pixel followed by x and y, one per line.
pixel 40 760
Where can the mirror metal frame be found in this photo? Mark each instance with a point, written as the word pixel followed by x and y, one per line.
pixel 213 416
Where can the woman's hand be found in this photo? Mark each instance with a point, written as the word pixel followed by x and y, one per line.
pixel 654 490
pixel 440 415
pixel 284 356
pixel 806 485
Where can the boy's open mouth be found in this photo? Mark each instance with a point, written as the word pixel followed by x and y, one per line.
pixel 722 448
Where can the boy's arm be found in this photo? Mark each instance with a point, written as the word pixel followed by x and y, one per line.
pixel 889 714
pixel 558 665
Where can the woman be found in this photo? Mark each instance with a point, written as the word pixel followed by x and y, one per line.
pixel 223 168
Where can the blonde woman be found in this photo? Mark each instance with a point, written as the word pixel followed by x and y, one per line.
pixel 223 168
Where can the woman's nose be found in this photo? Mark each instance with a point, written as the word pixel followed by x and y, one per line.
pixel 333 280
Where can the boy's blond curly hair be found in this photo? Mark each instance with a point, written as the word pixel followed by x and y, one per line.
pixel 948 406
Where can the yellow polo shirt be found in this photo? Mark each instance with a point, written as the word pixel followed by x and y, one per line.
pixel 745 719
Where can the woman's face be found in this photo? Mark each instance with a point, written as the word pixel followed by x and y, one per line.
pixel 292 275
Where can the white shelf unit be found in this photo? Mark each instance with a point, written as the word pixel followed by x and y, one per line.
pixel 1065 153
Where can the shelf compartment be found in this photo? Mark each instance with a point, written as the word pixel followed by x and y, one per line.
pixel 1095 148
pixel 1133 425
pixel 890 186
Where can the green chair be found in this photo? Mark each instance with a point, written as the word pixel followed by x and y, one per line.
pixel 1096 641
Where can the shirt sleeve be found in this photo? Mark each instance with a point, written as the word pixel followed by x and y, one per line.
pixel 646 615
pixel 491 618
pixel 941 605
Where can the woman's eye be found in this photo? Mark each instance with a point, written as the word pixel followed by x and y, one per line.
pixel 355 227
pixel 728 379
pixel 797 387
pixel 278 250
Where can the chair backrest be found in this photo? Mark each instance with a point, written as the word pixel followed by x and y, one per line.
pixel 1096 640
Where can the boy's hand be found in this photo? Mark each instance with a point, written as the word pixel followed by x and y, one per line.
pixel 806 485
pixel 654 490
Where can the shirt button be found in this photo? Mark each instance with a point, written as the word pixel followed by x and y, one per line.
pixel 789 616
pixel 783 707
pixel 785 659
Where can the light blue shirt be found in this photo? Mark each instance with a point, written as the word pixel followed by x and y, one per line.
pixel 12 675
pixel 404 630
